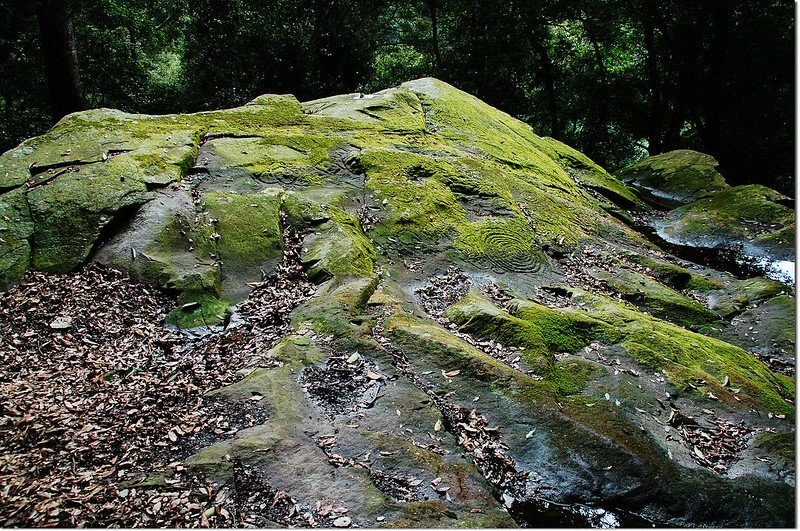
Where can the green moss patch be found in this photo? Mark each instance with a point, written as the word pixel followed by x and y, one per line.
pixel 429 514
pixel 656 298
pixel 690 358
pixel 198 309
pixel 570 376
pixel 261 116
pixel 339 249
pixel 780 445
pixel 476 315
pixel 464 120
pixel 674 276
pixel 16 228
pixel 156 143
pixel 740 294
pixel 521 402
pixel 562 331
pixel 588 173
pixel 245 234
pixel 70 212
pixel 273 153
pixel 417 210
pixel 693 363
pixel 500 245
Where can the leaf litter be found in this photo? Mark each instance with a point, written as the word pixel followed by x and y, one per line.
pixel 343 385
pixel 96 394
pixel 444 290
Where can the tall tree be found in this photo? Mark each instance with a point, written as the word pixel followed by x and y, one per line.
pixel 656 111
pixel 437 53
pixel 536 38
pixel 60 58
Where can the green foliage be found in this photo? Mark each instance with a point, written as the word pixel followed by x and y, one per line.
pixel 395 64
pixel 617 80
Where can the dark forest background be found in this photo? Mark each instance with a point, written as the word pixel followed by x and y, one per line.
pixel 617 79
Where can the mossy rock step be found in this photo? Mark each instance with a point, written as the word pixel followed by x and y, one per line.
pixel 656 298
pixel 674 178
pixel 752 217
pixel 686 357
pixel 546 420
pixel 672 275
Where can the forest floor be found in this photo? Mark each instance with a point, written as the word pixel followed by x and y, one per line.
pixel 96 391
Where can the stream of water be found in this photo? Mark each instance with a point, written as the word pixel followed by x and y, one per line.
pixel 733 261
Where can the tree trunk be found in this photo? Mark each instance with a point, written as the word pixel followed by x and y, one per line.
pixel 548 79
pixel 605 98
pixel 656 119
pixel 60 59
pixel 437 54
pixel 712 96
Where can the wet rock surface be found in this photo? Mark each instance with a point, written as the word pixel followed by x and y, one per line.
pixel 675 178
pixel 397 309
pixel 752 226
pixel 753 218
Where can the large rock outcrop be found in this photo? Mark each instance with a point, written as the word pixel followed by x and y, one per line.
pixel 521 343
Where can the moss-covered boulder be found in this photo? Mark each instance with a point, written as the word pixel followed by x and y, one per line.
pixel 674 178
pixel 753 217
pixel 480 336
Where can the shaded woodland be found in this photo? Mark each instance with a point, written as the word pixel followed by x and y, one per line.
pixel 617 80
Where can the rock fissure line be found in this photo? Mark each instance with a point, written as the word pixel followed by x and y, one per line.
pixel 155 186
pixel 38 170
pixel 197 144
pixel 216 136
pixel 68 166
pixel 120 218
pixel 529 219
pixel 288 179
pixel 430 127
pixel 469 428
pixel 6 189
pixel 473 434
pixel 34 184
